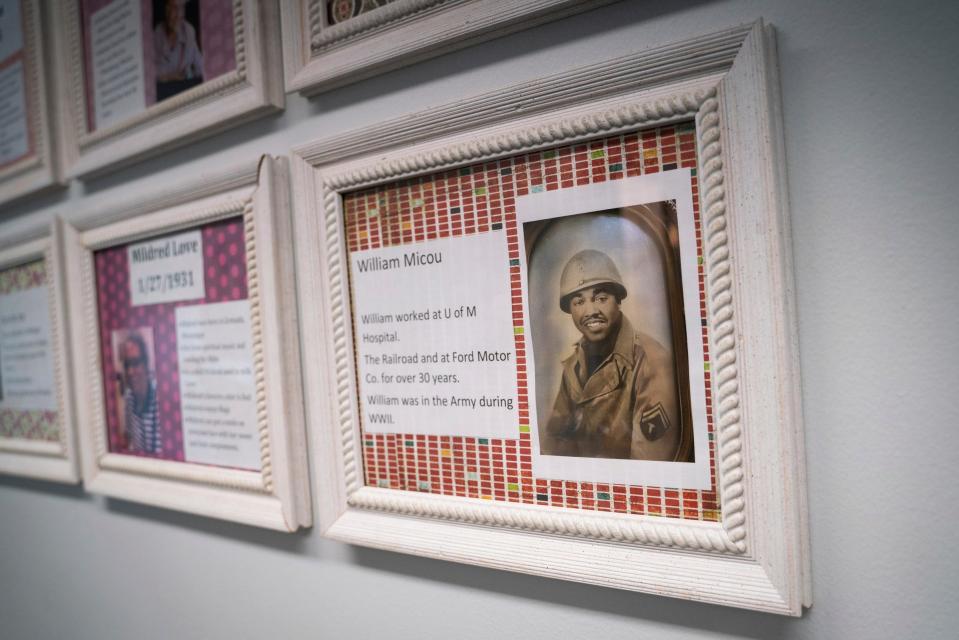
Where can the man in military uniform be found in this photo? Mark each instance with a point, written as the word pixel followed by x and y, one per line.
pixel 617 397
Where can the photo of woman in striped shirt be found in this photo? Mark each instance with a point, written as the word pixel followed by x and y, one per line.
pixel 139 396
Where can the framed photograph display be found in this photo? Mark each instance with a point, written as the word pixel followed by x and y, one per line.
pixel 327 43
pixel 141 76
pixel 560 332
pixel 27 159
pixel 36 401
pixel 186 347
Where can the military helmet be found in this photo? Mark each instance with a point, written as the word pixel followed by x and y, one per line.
pixel 588 268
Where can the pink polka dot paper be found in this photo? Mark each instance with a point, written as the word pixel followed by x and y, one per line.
pixel 225 276
pixel 217 35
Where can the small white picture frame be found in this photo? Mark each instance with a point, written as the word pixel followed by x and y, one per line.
pixel 248 85
pixel 244 399
pixel 52 456
pixel 721 91
pixel 322 50
pixel 28 158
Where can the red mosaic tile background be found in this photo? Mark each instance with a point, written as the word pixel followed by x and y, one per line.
pixel 480 198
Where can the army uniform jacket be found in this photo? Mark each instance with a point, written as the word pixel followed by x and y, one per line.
pixel 626 409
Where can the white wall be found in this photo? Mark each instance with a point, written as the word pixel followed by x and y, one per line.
pixel 869 92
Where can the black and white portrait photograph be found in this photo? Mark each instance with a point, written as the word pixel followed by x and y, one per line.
pixel 605 298
pixel 613 332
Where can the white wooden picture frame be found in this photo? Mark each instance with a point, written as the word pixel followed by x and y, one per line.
pixel 319 54
pixel 277 495
pixel 253 88
pixel 39 168
pixel 54 460
pixel 755 555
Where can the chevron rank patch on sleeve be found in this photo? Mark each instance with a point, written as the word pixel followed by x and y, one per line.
pixel 654 422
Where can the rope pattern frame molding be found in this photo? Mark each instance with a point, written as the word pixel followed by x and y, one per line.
pixel 756 555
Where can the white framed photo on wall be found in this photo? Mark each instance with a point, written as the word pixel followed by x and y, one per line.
pixel 37 415
pixel 28 153
pixel 138 77
pixel 190 395
pixel 329 43
pixel 554 334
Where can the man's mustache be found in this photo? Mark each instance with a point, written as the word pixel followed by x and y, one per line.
pixel 594 316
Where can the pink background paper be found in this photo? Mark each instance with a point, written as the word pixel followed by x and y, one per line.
pixel 224 264
pixel 216 43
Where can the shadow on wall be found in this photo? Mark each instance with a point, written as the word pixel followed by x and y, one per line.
pixel 279 540
pixel 69 491
pixel 308 544
pixel 614 602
